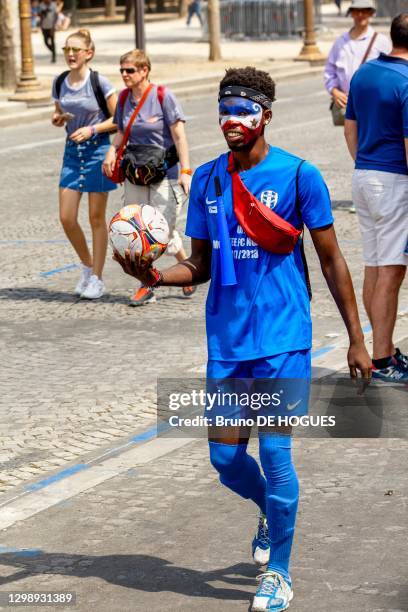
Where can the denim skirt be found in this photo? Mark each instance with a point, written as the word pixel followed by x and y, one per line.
pixel 82 165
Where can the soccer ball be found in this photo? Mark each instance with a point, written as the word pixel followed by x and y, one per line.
pixel 140 229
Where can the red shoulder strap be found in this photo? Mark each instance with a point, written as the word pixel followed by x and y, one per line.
pixel 370 46
pixel 161 90
pixel 131 120
pixel 123 96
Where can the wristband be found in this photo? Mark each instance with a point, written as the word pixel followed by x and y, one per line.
pixel 186 171
pixel 93 130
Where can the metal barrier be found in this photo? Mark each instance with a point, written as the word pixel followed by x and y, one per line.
pixel 260 19
pixel 391 8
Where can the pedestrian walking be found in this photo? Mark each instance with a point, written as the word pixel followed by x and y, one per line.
pixel 63 21
pixel 157 139
pixel 338 5
pixel 349 52
pixel 48 20
pixel 35 15
pixel 194 8
pixel 84 102
pixel 376 131
pixel 258 310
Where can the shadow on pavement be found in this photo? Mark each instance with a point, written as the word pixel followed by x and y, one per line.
pixel 139 572
pixel 26 294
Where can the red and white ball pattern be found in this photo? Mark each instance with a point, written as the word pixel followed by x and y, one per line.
pixel 140 229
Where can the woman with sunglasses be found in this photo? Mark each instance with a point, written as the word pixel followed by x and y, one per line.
pixel 87 126
pixel 159 124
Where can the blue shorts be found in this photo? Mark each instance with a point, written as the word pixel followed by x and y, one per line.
pixel 239 386
pixel 297 364
pixel 82 166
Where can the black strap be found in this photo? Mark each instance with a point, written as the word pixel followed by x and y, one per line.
pixel 302 238
pixel 96 87
pixel 59 81
pixel 99 95
pixel 209 177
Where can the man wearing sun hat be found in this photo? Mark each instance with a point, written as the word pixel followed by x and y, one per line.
pixel 351 50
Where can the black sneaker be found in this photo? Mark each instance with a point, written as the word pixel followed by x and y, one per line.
pixel 394 372
pixel 401 358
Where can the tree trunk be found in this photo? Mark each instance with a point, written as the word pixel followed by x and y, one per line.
pixel 130 11
pixel 183 8
pixel 7 60
pixel 214 30
pixel 110 8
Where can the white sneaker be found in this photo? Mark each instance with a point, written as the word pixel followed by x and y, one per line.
pixel 86 274
pixel 94 289
pixel 260 543
pixel 274 594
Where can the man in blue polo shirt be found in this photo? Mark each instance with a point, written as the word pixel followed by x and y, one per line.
pixel 376 131
pixel 258 316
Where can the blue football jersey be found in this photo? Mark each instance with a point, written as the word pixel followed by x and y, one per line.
pixel 268 311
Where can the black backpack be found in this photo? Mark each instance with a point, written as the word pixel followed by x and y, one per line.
pixel 96 86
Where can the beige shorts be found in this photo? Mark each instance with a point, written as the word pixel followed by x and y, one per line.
pixel 381 201
pixel 168 197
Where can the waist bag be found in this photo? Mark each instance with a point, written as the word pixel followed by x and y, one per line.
pixel 259 222
pixel 146 164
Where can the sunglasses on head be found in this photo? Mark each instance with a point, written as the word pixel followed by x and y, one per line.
pixel 73 49
pixel 128 70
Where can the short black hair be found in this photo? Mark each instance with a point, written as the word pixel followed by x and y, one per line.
pixel 399 31
pixel 250 77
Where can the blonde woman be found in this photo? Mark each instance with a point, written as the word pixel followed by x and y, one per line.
pixel 84 103
pixel 158 126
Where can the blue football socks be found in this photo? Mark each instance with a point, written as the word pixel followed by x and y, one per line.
pixel 282 496
pixel 239 471
pixel 277 496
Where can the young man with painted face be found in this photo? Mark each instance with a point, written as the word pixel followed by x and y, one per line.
pixel 260 327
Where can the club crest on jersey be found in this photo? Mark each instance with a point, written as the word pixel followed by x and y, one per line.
pixel 269 198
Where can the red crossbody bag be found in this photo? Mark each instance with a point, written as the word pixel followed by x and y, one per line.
pixel 259 222
pixel 118 175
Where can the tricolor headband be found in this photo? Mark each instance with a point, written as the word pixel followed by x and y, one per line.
pixel 245 92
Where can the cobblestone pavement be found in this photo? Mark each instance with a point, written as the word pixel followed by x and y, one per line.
pixel 77 377
pixel 168 537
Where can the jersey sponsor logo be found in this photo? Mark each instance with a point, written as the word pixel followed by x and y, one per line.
pixel 209 202
pixel 212 210
pixel 269 198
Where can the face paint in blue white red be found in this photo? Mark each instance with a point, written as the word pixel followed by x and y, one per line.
pixel 241 120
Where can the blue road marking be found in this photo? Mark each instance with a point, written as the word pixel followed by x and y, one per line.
pixel 149 434
pixel 322 351
pixel 20 552
pixel 41 484
pixel 58 270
